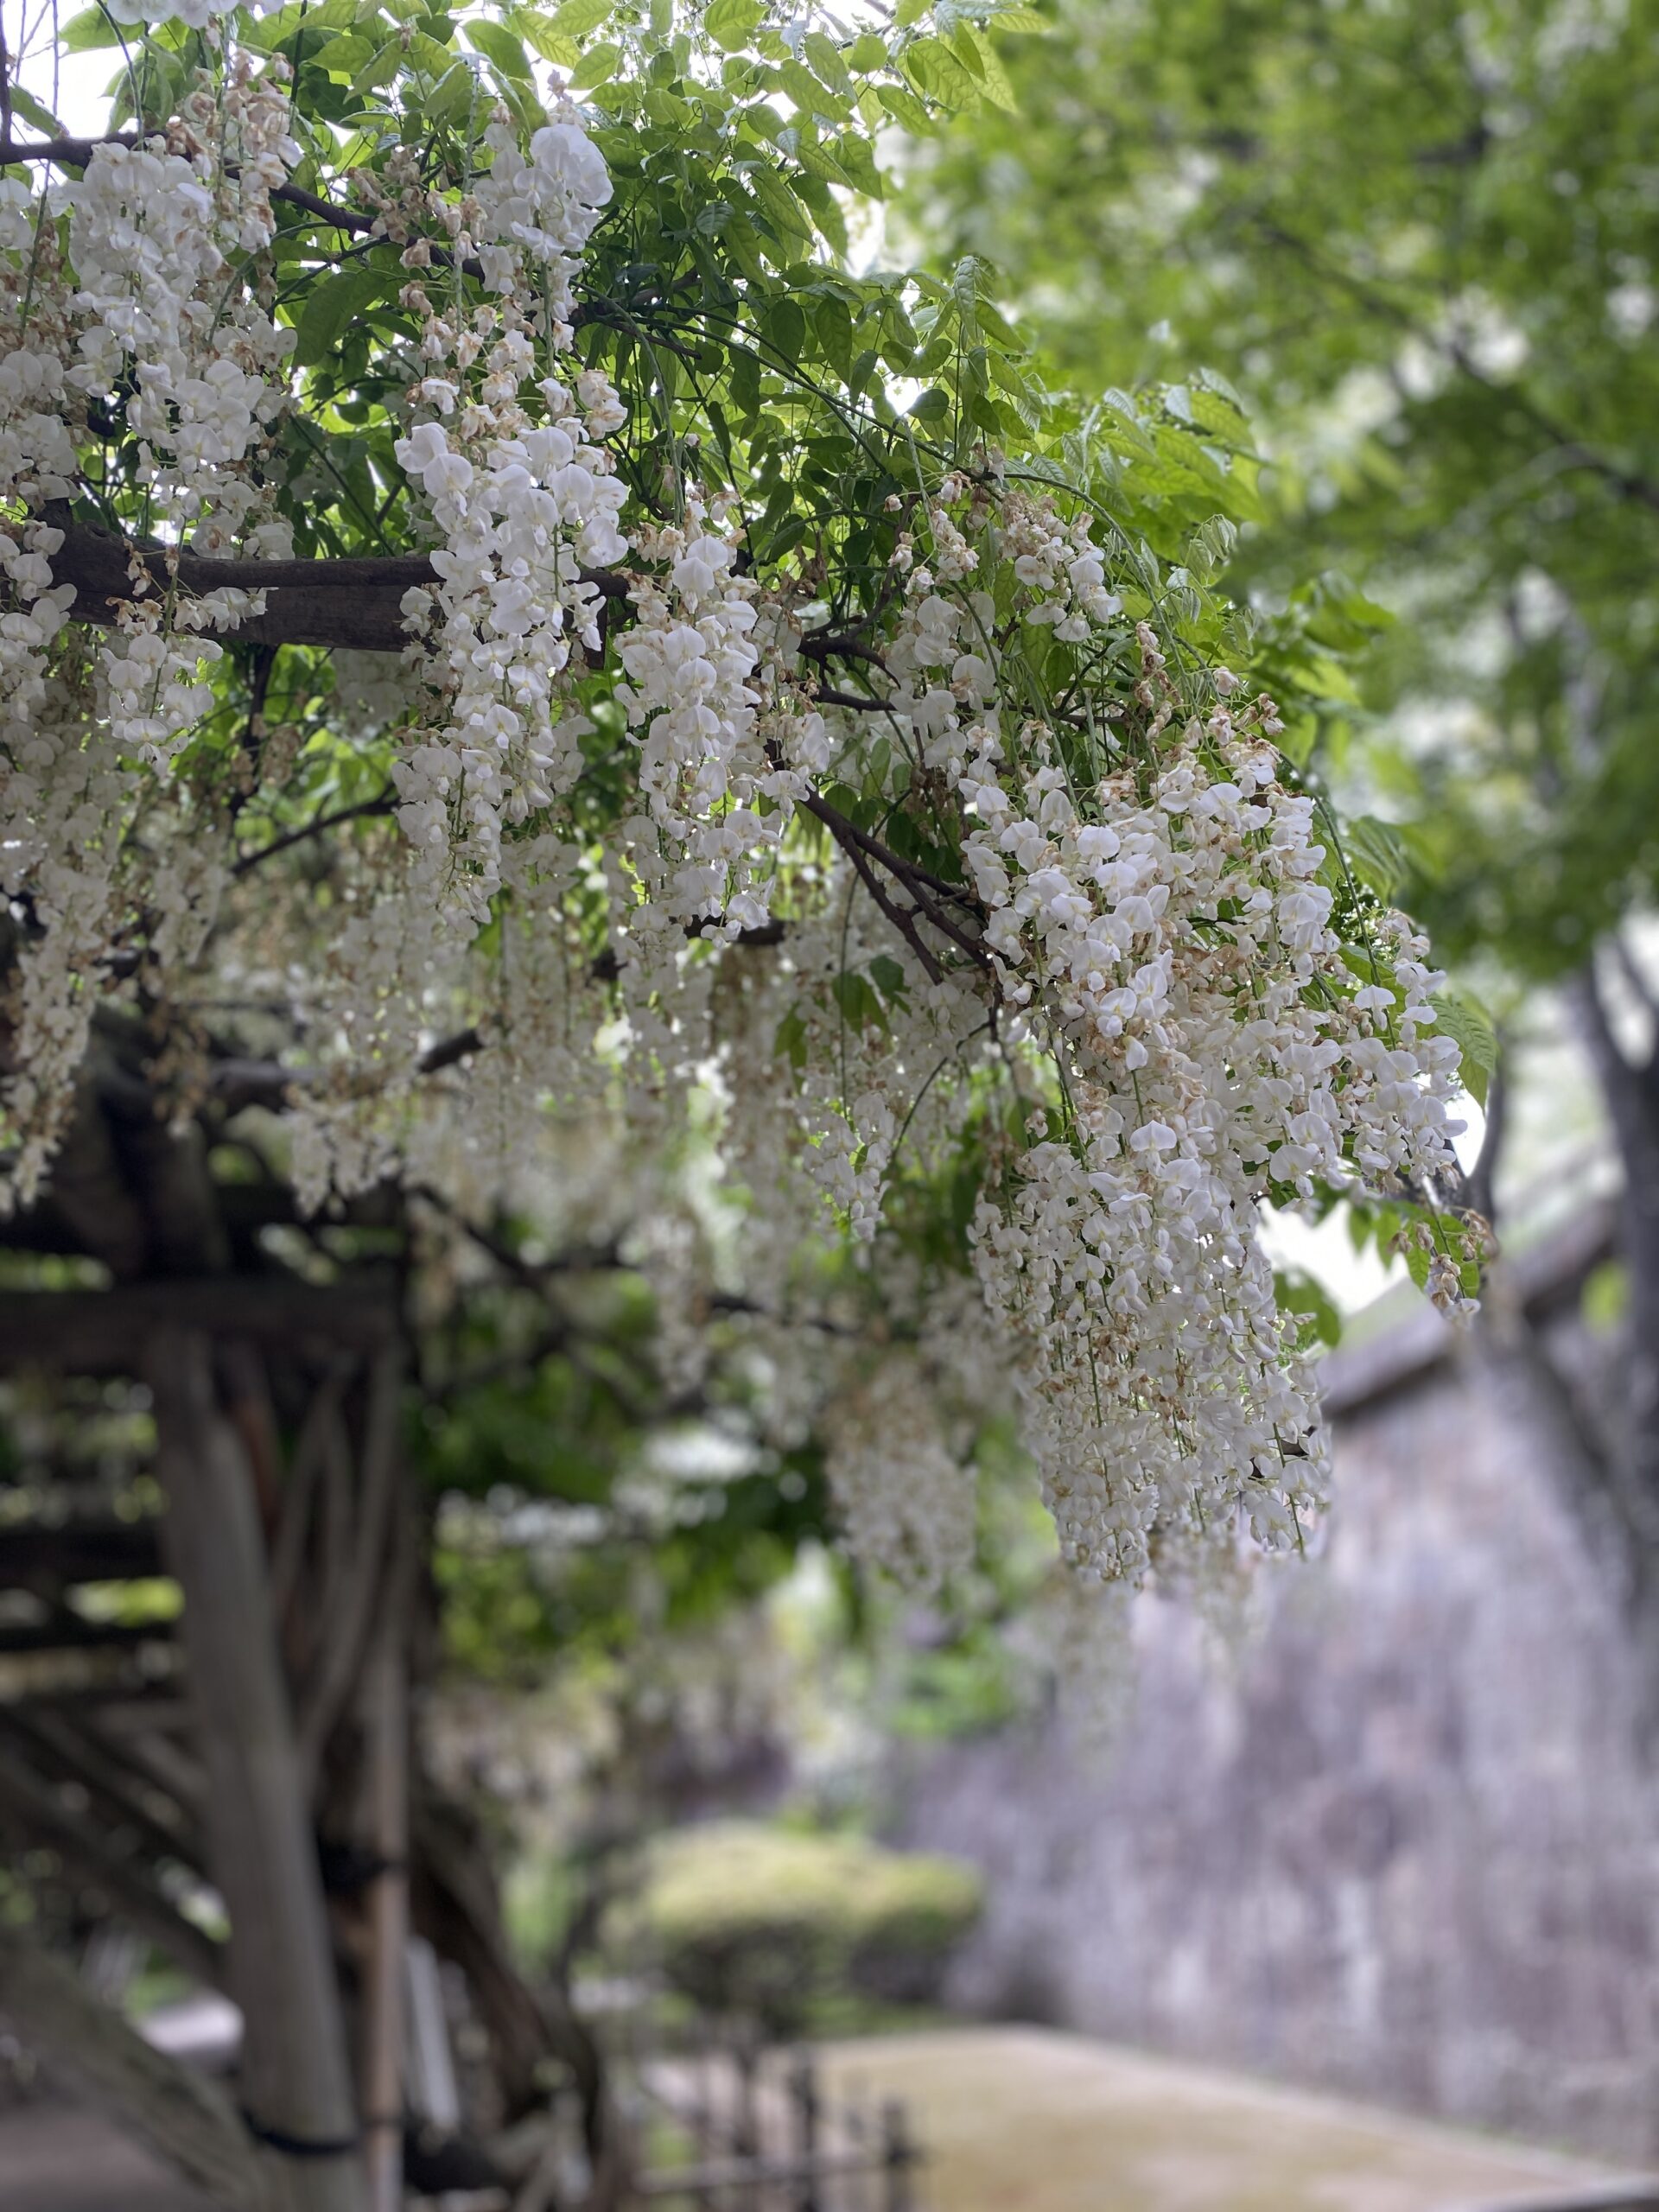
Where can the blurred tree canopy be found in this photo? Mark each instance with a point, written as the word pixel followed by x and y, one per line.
pixel 1420 241
pixel 1421 244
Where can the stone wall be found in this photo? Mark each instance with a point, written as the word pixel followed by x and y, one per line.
pixel 1401 1844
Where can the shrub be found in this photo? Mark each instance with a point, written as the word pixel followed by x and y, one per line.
pixel 770 1922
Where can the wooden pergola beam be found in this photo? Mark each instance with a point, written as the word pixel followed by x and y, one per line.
pixel 106 1332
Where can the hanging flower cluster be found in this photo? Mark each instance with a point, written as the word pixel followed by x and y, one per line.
pixel 146 317
pixel 1161 931
pixel 1080 921
pixel 906 1500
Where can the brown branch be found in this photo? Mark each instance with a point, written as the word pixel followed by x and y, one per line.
pixel 347 1633
pixel 253 738
pixel 364 811
pixel 828 696
pixel 902 919
pixel 1481 1180
pixel 861 846
pixel 446 1053
pixel 103 1550
pixel 237 1083
pixel 77 154
pixel 1629 484
pixel 294 1521
pixel 840 644
pixel 1625 1084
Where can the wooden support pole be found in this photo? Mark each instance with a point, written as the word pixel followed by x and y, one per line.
pixel 386 1743
pixel 899 2157
pixel 296 2083
pixel 804 2097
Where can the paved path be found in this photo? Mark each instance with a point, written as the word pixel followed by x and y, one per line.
pixel 1025 2119
pixel 1017 2119
pixel 56 2160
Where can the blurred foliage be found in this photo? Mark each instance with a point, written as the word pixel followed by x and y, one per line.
pixel 1421 244
pixel 769 1922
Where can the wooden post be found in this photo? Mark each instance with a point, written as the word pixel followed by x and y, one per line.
pixel 850 2122
pixel 296 2079
pixel 745 2138
pixel 804 2097
pixel 386 1703
pixel 701 2117
pixel 897 2157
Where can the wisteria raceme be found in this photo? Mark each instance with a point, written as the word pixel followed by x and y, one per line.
pixel 1076 957
pixel 906 1502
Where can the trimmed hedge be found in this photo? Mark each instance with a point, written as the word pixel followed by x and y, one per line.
pixel 770 1922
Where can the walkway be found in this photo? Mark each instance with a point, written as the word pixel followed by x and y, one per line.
pixel 1026 2119
pixel 1019 2120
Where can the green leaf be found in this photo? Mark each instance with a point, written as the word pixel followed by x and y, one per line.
pixel 889 976
pixel 275 31
pixel 336 300
pixel 86 32
pixel 790 1044
pixel 596 67
pixel 454 95
pixel 832 325
pixel 905 108
pixel 1377 854
pixel 577 17
pixel 866 52
pixel 507 52
pixel 809 95
pixel 825 57
pixel 992 76
pixel 786 328
pixel 858 1003
pixel 733 23
pixel 939 75
pixel 818 161
pixel 782 209
pixel 1468 1024
pixel 1299 1293
pixel 380 68
pixel 857 158
pixel 745 381
pixel 543 34
pixel 27 106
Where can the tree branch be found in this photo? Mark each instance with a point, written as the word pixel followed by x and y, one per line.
pixel 1629 484
pixel 364 811
pixel 1624 1085
pixel 1481 1180
pixel 860 846
pixel 77 154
